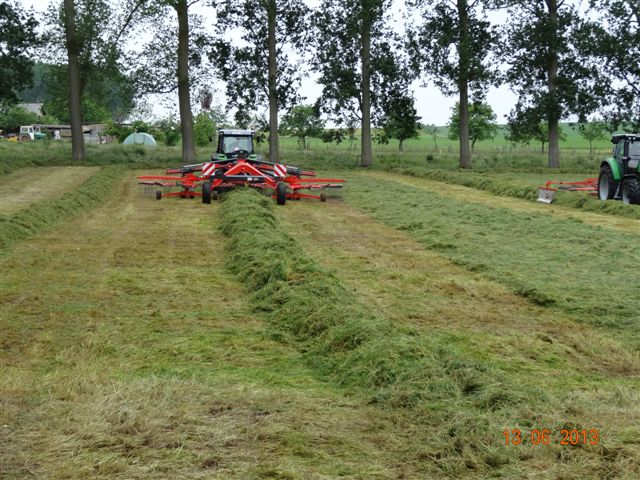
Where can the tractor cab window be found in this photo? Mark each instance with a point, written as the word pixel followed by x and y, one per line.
pixel 634 149
pixel 234 144
pixel 618 150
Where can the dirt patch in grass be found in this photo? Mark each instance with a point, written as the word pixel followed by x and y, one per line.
pixel 27 186
pixel 473 195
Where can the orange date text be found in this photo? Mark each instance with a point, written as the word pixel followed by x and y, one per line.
pixel 546 437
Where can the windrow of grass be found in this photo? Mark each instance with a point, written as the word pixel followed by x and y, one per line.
pixel 48 212
pixel 458 400
pixel 513 186
pixel 563 264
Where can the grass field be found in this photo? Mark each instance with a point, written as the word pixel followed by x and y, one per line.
pixel 395 333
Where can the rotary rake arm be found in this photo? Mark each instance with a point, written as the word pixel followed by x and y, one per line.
pixel 546 194
pixel 221 175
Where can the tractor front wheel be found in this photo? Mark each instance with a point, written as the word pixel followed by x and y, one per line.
pixel 631 191
pixel 206 192
pixel 606 184
pixel 281 193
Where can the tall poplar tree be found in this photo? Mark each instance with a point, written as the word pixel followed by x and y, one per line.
pixel 452 48
pixel 260 70
pixel 545 68
pixel 362 75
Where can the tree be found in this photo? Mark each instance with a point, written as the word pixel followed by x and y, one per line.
pixel 482 123
pixel 545 68
pixel 594 130
pixel 523 126
pixel 204 129
pixel 401 120
pixel 89 32
pixel 362 74
pixel 452 47
pixel 434 133
pixel 254 79
pixel 610 41
pixel 75 89
pixel 303 121
pixel 17 39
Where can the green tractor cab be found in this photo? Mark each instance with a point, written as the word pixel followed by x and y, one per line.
pixel 620 174
pixel 233 144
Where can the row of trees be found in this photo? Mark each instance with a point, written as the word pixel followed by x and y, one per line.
pixel 560 61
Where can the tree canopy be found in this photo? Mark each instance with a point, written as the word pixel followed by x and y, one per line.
pixel 17 41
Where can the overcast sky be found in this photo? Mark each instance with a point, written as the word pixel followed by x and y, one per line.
pixel 432 106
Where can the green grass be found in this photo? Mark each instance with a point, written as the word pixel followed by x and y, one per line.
pixel 130 352
pixel 458 392
pixel 579 269
pixel 47 212
pixel 313 340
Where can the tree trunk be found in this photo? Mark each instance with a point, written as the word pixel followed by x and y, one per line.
pixel 463 84
pixel 366 159
pixel 184 96
pixel 77 137
pixel 552 82
pixel 274 147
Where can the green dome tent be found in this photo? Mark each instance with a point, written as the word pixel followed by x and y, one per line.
pixel 140 139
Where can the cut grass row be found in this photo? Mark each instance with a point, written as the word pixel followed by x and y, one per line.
pixel 27 186
pixel 473 195
pixel 458 394
pixel 586 271
pixel 522 186
pixel 47 212
pixel 130 352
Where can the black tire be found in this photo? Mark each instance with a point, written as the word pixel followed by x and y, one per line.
pixel 631 191
pixel 281 193
pixel 606 184
pixel 215 195
pixel 323 196
pixel 206 192
pixel 158 194
pixel 25 138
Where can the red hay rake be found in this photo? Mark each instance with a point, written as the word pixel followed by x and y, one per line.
pixel 546 193
pixel 207 180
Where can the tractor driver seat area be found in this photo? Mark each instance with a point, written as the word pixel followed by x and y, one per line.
pixel 232 144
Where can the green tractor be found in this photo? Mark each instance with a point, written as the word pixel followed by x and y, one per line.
pixel 232 143
pixel 620 175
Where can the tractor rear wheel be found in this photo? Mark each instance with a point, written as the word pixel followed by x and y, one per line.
pixel 25 138
pixel 206 192
pixel 631 191
pixel 606 184
pixel 281 193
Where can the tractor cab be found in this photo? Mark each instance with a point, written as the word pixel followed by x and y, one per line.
pixel 620 174
pixel 233 144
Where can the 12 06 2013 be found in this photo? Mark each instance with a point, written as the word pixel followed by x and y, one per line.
pixel 546 436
